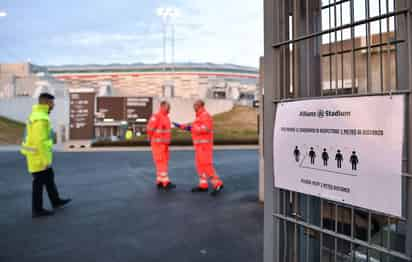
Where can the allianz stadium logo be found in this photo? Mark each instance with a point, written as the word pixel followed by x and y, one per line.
pixel 322 113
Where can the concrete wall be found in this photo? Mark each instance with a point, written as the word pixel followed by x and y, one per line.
pixel 19 109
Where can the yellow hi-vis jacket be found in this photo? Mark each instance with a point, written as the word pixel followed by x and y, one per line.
pixel 38 142
pixel 129 135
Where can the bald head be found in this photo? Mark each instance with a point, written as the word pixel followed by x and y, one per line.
pixel 165 106
pixel 198 104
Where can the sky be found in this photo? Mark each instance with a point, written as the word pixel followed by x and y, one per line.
pixel 58 32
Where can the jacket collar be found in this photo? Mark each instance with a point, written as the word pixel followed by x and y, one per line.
pixel 200 111
pixel 40 108
pixel 163 112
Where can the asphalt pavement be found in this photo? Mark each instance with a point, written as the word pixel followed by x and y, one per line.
pixel 117 214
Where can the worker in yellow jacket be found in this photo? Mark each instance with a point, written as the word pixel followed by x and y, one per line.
pixel 129 134
pixel 37 148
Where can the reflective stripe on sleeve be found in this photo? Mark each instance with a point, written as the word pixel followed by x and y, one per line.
pixel 201 141
pixel 29 149
pixel 160 140
pixel 161 131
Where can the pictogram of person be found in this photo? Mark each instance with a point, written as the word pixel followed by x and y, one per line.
pixel 354 160
pixel 339 158
pixel 325 157
pixel 312 156
pixel 296 153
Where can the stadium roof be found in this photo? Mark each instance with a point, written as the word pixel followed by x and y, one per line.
pixel 152 67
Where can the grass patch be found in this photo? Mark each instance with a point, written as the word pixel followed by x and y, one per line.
pixel 235 127
pixel 11 132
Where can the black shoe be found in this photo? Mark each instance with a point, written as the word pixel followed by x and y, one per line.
pixel 42 213
pixel 169 186
pixel 216 190
pixel 199 189
pixel 62 203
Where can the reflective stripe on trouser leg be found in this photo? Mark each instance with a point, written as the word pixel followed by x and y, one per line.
pixel 201 168
pixel 214 178
pixel 203 180
pixel 161 159
pixel 162 178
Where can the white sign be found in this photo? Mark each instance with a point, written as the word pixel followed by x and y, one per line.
pixel 344 149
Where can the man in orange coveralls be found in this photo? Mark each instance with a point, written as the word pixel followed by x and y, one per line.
pixel 158 131
pixel 202 136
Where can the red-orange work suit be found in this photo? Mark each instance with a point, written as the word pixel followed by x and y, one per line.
pixel 202 136
pixel 158 131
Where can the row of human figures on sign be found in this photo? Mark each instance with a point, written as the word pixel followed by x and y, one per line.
pixel 353 159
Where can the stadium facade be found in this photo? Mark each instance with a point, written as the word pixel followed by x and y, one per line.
pixel 182 80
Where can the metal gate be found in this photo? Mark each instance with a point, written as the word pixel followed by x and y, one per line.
pixel 329 48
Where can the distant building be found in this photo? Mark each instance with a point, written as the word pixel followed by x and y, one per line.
pixel 26 79
pixel 184 80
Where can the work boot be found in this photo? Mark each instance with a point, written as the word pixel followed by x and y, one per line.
pixel 216 190
pixel 199 189
pixel 42 213
pixel 62 203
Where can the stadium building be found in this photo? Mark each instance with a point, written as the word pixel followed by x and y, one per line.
pixel 183 80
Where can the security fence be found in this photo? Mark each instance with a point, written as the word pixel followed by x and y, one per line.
pixel 323 49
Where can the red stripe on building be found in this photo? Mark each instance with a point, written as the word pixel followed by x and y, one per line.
pixel 155 74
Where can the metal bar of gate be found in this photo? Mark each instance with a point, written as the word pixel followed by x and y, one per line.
pixel 346 26
pixel 381 249
pixel 380 47
pixel 368 43
pixel 397 92
pixel 333 4
pixel 393 42
pixel 335 44
pixel 352 35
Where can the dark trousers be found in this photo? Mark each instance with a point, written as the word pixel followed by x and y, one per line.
pixel 40 179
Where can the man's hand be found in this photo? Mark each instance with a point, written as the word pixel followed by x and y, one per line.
pixel 188 128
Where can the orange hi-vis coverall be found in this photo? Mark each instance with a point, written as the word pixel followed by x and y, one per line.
pixel 158 131
pixel 202 136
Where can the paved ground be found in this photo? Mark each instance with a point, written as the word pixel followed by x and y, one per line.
pixel 117 215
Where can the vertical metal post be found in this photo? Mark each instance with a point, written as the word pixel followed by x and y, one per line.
pixel 396 46
pixel 335 45
pixel 308 213
pixel 330 50
pixel 164 45
pixel 273 30
pixel 380 47
pixel 352 33
pixel 321 234
pixel 341 48
pixel 173 51
pixel 308 51
pixel 388 51
pixel 296 48
pixel 368 43
pixel 404 78
pixel 336 230
pixel 408 138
